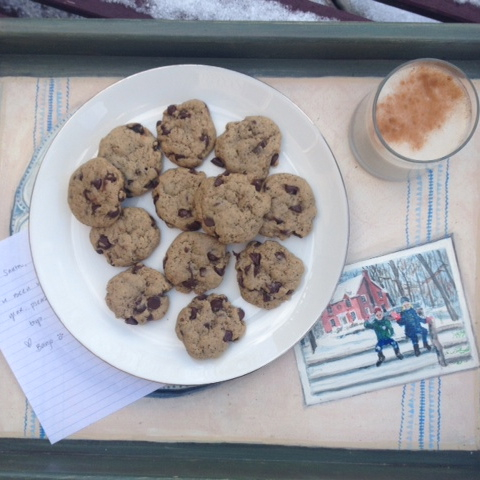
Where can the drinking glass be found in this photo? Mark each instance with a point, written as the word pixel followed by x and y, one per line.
pixel 422 113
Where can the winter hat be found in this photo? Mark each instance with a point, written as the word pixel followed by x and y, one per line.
pixel 405 300
pixel 377 309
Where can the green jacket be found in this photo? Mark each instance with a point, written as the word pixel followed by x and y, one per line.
pixel 382 328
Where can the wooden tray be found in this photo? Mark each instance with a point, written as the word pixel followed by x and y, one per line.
pixel 122 47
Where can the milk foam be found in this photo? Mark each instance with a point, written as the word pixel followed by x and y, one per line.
pixel 423 112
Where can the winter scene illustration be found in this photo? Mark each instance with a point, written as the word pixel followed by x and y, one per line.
pixel 392 320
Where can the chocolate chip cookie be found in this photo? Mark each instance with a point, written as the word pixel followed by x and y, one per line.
pixel 293 206
pixel 187 133
pixel 131 239
pixel 267 273
pixel 138 295
pixel 195 262
pixel 231 208
pixel 250 146
pixel 135 151
pixel 174 198
pixel 208 324
pixel 95 193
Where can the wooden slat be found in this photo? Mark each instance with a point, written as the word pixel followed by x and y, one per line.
pixel 123 47
pixel 442 10
pixel 73 459
pixel 95 9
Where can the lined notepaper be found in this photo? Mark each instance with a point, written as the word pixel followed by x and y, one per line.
pixel 67 386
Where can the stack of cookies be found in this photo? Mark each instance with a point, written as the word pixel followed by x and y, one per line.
pixel 213 215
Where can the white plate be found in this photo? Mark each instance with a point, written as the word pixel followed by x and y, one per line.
pixel 74 277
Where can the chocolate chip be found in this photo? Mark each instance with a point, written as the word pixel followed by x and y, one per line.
pixel 110 177
pixel 274 160
pixel 171 109
pixel 258 149
pixel 156 146
pixel 274 287
pixel 114 213
pixel 136 268
pixel 97 183
pixel 216 304
pixel 165 130
pixel 256 258
pixel 258 183
pixel 212 257
pixel 184 114
pixel 136 127
pixel 296 208
pixel 140 309
pixel 266 297
pixel 279 255
pixel 278 221
pixel 205 139
pixel 95 207
pixel 218 162
pixel 218 181
pixel 191 227
pixel 184 213
pixel 131 321
pixel 219 271
pixel 228 337
pixel 152 184
pixel 103 243
pixel 207 325
pixel 291 189
pixel 209 221
pixel 193 313
pixel 154 302
pixel 191 283
pixel 178 156
pixel 241 313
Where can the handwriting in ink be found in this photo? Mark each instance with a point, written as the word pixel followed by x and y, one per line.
pixel 15 313
pixel 46 344
pixel 28 342
pixel 37 303
pixel 22 291
pixel 15 268
pixel 36 321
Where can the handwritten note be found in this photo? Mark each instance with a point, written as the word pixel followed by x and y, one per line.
pixel 67 386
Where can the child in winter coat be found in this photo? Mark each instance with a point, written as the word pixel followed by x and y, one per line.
pixel 384 331
pixel 410 319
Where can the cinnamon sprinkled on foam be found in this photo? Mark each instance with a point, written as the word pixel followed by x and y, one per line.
pixel 421 104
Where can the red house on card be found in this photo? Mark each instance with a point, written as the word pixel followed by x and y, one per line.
pixel 354 301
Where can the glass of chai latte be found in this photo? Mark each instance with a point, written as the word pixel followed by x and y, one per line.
pixel 422 113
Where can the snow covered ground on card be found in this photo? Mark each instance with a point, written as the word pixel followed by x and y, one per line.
pixel 343 363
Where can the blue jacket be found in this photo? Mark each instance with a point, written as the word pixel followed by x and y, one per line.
pixel 410 319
